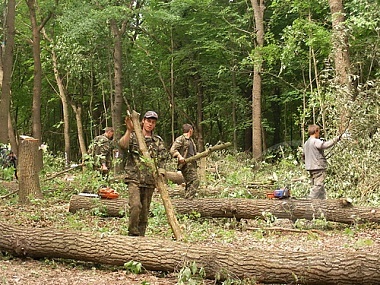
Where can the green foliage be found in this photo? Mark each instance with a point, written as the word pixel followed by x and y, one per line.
pixel 353 170
pixel 133 267
pixel 190 274
pixel 7 173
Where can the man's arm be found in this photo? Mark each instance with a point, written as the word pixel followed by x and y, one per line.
pixel 326 144
pixel 175 149
pixel 124 140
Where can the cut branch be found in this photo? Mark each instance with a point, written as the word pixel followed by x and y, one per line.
pixel 208 151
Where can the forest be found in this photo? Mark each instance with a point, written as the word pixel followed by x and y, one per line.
pixel 254 73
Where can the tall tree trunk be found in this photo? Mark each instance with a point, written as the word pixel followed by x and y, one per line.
pixel 77 108
pixel 65 106
pixel 199 90
pixel 65 109
pixel 11 135
pixel 37 76
pixel 341 60
pixel 340 43
pixel 258 9
pixel 6 69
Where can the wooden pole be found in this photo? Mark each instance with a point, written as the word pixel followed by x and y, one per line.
pixel 208 151
pixel 159 179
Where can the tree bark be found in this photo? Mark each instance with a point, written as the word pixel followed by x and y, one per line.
pixel 29 183
pixel 77 109
pixel 6 68
pixel 62 93
pixel 340 44
pixel 332 210
pixel 258 10
pixel 175 177
pixel 37 77
pixel 219 262
pixel 109 207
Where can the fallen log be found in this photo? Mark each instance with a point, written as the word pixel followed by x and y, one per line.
pixel 175 177
pixel 335 210
pixel 219 262
pixel 108 207
pixel 341 210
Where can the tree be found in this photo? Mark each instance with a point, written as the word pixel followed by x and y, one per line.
pixel 37 74
pixel 6 65
pixel 258 10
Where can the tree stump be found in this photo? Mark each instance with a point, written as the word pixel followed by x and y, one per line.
pixel 219 262
pixel 27 169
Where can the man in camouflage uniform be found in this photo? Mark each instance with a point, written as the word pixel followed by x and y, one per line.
pixel 139 177
pixel 102 151
pixel 182 148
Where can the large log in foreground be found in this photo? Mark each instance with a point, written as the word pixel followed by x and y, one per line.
pixel 220 262
pixel 331 210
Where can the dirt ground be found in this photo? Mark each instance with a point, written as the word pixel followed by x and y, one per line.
pixel 35 272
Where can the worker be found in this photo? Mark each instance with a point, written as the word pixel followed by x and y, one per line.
pixel 183 148
pixel 315 160
pixel 138 175
pixel 102 151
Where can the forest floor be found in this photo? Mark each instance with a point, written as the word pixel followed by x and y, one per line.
pixel 322 237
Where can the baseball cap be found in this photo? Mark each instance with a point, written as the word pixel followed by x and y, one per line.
pixel 151 114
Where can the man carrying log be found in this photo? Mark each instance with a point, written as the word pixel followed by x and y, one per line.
pixel 182 148
pixel 139 178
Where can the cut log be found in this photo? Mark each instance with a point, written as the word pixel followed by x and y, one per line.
pixel 335 210
pixel 108 207
pixel 219 262
pixel 340 210
pixel 175 177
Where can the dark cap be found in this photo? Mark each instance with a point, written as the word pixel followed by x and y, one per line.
pixel 151 114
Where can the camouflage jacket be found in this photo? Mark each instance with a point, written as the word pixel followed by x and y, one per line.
pixel 101 149
pixel 182 145
pixel 135 167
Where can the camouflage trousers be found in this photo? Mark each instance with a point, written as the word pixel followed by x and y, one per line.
pixel 139 204
pixel 317 178
pixel 189 172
